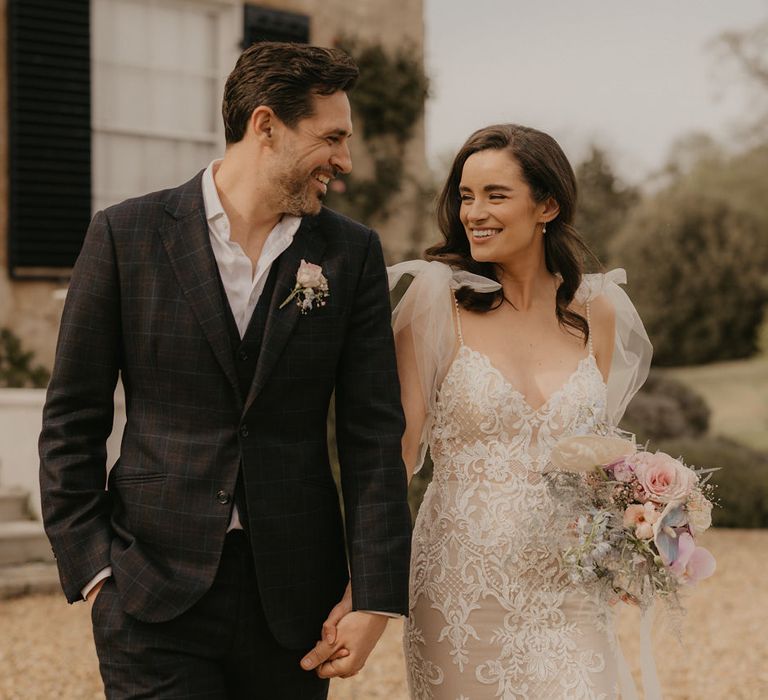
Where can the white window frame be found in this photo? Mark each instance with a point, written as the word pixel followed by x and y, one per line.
pixel 229 31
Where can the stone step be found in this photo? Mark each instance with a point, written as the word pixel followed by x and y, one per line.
pixel 26 579
pixel 13 504
pixel 23 541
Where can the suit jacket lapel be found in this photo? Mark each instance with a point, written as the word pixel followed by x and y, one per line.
pixel 187 243
pixel 308 244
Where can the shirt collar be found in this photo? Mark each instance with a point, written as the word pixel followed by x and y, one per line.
pixel 211 201
pixel 214 211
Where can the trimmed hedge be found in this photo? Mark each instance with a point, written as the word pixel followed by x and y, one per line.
pixel 742 482
pixel 666 408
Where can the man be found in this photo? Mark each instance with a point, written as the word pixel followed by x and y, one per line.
pixel 232 307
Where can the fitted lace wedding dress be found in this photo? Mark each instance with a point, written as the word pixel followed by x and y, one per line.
pixel 493 613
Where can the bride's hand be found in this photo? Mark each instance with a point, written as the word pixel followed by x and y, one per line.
pixel 341 608
pixel 325 649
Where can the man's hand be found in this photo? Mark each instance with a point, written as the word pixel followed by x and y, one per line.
pixel 94 592
pixel 357 632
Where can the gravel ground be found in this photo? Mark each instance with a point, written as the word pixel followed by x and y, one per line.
pixel 46 647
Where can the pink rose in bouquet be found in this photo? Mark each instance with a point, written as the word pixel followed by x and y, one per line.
pixel 622 470
pixel 663 478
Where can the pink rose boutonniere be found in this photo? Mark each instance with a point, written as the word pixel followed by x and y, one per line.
pixel 311 288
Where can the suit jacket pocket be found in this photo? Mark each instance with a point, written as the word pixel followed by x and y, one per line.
pixel 138 478
pixel 122 477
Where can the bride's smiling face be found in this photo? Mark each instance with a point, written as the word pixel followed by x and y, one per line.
pixel 499 214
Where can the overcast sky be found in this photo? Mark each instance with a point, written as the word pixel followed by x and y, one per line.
pixel 632 75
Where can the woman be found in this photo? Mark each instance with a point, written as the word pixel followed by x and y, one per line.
pixel 504 347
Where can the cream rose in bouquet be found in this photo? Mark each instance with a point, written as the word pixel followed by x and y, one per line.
pixel 634 516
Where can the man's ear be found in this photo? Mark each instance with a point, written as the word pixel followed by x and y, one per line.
pixel 262 124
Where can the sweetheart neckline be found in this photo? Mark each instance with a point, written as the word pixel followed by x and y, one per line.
pixel 517 392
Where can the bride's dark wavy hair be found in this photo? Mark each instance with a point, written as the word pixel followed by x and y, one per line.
pixel 548 173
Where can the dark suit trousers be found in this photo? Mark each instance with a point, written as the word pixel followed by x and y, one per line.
pixel 221 648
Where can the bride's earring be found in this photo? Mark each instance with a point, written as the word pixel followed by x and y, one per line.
pixel 543 228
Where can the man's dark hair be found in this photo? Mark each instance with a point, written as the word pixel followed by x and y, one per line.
pixel 284 77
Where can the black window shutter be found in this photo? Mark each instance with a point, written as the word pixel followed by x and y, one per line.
pixel 266 24
pixel 49 116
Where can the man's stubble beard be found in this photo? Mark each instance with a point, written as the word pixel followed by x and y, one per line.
pixel 296 195
pixel 300 201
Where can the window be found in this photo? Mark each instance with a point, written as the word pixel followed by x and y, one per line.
pixel 158 71
pixel 265 24
pixel 110 99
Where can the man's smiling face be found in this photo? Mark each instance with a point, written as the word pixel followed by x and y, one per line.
pixel 312 153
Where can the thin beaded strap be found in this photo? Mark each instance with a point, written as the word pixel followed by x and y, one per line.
pixel 458 320
pixel 589 326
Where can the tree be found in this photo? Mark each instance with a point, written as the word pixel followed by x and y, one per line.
pixel 748 51
pixel 604 201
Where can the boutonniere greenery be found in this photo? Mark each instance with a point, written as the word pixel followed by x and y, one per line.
pixel 311 288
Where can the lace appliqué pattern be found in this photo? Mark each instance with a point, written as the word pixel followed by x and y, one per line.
pixel 493 613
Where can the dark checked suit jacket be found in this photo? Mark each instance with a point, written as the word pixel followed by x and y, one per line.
pixel 145 302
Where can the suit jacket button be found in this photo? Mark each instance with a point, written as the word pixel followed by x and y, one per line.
pixel 222 497
pixel 243 355
pixel 244 430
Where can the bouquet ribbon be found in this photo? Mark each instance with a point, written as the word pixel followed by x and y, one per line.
pixel 651 685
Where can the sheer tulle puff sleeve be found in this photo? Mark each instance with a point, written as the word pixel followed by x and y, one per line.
pixel 424 317
pixel 632 351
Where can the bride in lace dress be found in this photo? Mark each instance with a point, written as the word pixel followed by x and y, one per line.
pixel 504 347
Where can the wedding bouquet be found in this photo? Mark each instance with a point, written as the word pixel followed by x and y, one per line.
pixel 632 517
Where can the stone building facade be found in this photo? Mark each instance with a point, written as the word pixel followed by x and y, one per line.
pixel 31 305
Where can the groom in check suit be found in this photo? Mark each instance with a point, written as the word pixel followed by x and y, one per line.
pixel 216 550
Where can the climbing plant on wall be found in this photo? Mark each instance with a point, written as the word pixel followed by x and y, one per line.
pixel 17 368
pixel 387 102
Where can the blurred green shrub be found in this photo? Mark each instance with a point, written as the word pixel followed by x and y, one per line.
pixel 742 482
pixel 16 364
pixel 697 274
pixel 666 408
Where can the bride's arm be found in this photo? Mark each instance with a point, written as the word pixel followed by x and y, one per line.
pixel 412 398
pixel 603 329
